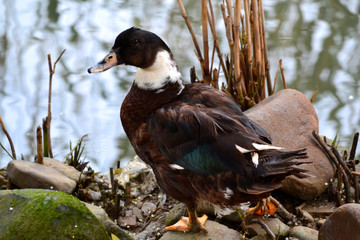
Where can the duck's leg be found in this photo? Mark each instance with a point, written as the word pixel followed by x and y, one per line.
pixel 189 224
pixel 265 206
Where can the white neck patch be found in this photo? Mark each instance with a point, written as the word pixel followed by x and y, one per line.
pixel 157 75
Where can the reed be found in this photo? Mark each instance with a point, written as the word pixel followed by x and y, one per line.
pixel 245 68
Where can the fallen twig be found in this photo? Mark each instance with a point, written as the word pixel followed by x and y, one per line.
pixel 263 225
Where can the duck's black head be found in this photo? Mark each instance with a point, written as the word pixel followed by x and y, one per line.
pixel 134 46
pixel 145 50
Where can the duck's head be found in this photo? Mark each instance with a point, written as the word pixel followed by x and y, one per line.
pixel 145 50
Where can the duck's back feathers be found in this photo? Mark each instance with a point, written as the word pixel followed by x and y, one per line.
pixel 205 132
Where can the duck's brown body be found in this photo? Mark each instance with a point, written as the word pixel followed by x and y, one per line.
pixel 142 116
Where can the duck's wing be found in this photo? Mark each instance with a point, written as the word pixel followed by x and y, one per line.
pixel 206 132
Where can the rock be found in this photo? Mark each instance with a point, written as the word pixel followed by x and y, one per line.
pixel 152 229
pixel 274 224
pixel 129 213
pixel 305 216
pixel 175 214
pixel 135 172
pixel 46 214
pixel 3 179
pixel 259 237
pixel 64 168
pixel 289 118
pixel 137 212
pixel 343 224
pixel 94 195
pixel 216 231
pixel 99 212
pixel 147 208
pixel 303 233
pixel 320 222
pixel 113 228
pixel 149 184
pixel 25 174
pixel 127 222
pixel 319 209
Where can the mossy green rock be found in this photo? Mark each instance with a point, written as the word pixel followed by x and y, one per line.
pixel 46 214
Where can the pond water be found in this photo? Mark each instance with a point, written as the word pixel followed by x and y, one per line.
pixel 319 42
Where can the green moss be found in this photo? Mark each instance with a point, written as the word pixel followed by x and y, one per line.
pixel 46 214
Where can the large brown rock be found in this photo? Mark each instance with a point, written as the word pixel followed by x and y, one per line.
pixel 343 224
pixel 33 175
pixel 289 117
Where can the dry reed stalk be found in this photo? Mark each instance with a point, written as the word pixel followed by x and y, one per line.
pixel 48 118
pixel 282 73
pixel 266 59
pixel 275 81
pixel 249 39
pixel 39 144
pixel 204 18
pixel 216 45
pixel 246 67
pixel 313 96
pixel 9 139
pixel 188 24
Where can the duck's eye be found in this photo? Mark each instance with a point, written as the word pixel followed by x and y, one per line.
pixel 135 41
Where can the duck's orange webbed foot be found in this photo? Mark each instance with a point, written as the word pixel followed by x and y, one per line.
pixel 189 224
pixel 265 206
pixel 183 225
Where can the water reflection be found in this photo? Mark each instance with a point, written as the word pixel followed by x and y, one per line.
pixel 318 42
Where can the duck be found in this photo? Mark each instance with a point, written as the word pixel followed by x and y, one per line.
pixel 198 142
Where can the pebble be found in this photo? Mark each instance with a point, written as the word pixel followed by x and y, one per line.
pixel 274 224
pixel 137 212
pixel 127 222
pixel 303 233
pixel 147 208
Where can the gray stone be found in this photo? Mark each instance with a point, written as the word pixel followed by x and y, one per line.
pixel 147 208
pixel 127 222
pixel 216 231
pixel 45 214
pixel 303 233
pixel 113 228
pixel 94 195
pixel 99 212
pixel 137 212
pixel 64 168
pixel 25 174
pixel 149 184
pixel 274 224
pixel 319 209
pixel 343 224
pixel 135 172
pixel 259 237
pixel 153 228
pixel 175 214
pixel 289 117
